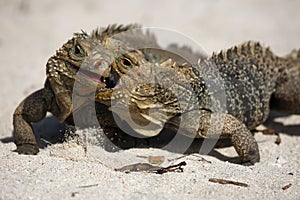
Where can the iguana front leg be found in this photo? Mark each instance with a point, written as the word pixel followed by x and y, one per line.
pixel 223 126
pixel 242 140
pixel 31 109
pixel 63 98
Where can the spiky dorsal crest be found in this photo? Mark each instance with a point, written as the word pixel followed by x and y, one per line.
pixel 102 33
pixel 109 31
pixel 248 49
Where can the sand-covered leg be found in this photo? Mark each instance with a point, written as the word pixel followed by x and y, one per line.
pixel 31 109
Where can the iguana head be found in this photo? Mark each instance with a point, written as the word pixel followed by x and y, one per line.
pixel 94 60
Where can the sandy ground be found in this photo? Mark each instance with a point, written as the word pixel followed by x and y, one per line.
pixel 31 31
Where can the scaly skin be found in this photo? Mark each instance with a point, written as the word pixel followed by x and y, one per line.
pixel 155 96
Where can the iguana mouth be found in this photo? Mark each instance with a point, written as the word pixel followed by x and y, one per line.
pixel 110 81
pixel 93 76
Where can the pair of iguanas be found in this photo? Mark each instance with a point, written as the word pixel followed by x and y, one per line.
pixel 225 95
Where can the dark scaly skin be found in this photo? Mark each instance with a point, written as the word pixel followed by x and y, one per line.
pixel 251 74
pixel 286 96
pixel 97 68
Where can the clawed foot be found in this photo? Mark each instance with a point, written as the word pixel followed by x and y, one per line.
pixel 252 157
pixel 27 149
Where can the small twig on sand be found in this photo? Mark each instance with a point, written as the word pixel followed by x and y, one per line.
pixel 272 132
pixel 223 181
pixel 145 167
pixel 286 186
pixel 195 155
pixel 87 186
pixel 171 168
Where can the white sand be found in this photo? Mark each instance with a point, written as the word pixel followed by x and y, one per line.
pixel 31 31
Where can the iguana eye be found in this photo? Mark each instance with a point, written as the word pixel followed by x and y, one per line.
pixel 126 62
pixel 78 51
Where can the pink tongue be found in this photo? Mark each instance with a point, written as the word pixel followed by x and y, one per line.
pixel 96 80
pixel 95 77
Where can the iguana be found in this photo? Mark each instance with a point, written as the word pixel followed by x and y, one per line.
pixel 251 75
pixel 159 96
pixel 92 60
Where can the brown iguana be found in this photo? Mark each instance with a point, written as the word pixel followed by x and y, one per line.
pixel 248 75
pixel 251 74
pixel 82 58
